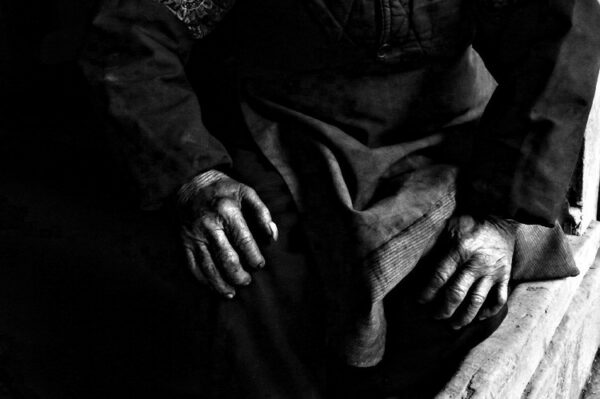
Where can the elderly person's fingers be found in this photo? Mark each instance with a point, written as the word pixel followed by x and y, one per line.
pixel 193 265
pixel 213 208
pixel 473 303
pixel 223 253
pixel 251 201
pixel 454 293
pixel 500 297
pixel 472 280
pixel 440 277
pixel 212 274
pixel 203 268
pixel 190 241
pixel 239 234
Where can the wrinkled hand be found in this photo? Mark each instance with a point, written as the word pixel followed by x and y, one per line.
pixel 474 273
pixel 214 210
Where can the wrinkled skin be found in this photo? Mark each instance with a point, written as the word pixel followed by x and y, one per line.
pixel 471 280
pixel 220 247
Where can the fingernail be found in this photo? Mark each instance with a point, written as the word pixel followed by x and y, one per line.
pixel 229 295
pixel 261 265
pixel 455 326
pixel 274 231
pixel 247 281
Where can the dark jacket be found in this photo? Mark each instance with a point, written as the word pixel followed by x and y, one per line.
pixel 356 103
pixel 544 55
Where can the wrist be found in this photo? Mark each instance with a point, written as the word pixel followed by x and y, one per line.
pixel 205 178
pixel 504 224
pixel 462 225
pixel 190 189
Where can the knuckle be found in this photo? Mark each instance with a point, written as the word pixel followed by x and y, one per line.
pixel 208 271
pixel 206 222
pixel 188 233
pixel 187 243
pixel 239 278
pixel 230 259
pixel 455 294
pixel 249 191
pixel 246 240
pixel 440 277
pixel 225 206
pixel 200 241
pixel 477 264
pixel 455 256
pixel 477 300
pixel 194 242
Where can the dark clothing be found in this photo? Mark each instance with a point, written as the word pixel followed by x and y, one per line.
pixel 100 305
pixel 289 356
pixel 356 103
pixel 361 103
pixel 543 54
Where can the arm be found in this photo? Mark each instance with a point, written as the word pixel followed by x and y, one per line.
pixel 135 59
pixel 545 55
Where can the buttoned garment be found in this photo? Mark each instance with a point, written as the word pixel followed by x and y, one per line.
pixel 379 115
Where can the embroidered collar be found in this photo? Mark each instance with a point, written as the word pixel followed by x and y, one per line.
pixel 200 16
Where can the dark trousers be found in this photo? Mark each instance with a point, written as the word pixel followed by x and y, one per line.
pixel 96 302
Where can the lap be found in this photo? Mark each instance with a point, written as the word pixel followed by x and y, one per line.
pixel 113 310
pixel 421 352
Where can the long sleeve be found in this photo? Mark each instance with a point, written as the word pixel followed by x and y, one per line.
pixel 545 55
pixel 135 57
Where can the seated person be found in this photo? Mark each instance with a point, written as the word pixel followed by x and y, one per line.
pixel 357 181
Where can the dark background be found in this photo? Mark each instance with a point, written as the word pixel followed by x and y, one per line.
pixel 41 88
pixel 48 128
pixel 76 307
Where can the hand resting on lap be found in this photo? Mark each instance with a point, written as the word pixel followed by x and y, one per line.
pixel 219 244
pixel 471 280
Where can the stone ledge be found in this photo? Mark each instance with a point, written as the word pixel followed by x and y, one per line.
pixel 564 370
pixel 508 363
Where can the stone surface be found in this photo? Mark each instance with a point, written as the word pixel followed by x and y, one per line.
pixel 565 368
pixel 503 365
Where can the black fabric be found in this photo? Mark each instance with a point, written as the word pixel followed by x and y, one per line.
pixel 96 302
pixel 101 304
pixel 532 246
pixel 135 60
pixel 372 213
pixel 149 97
pixel 545 56
pixel 367 121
